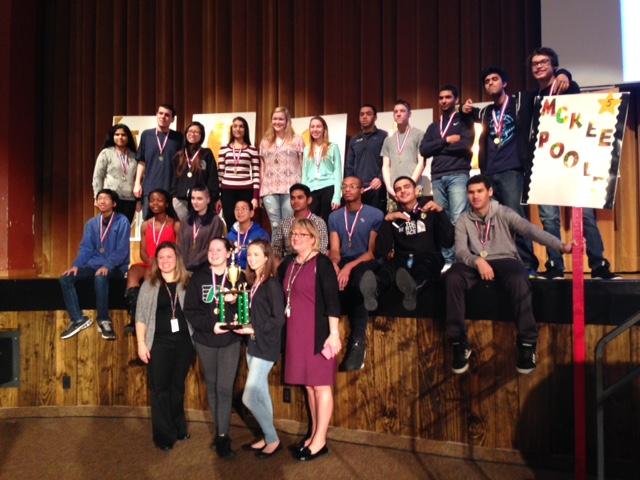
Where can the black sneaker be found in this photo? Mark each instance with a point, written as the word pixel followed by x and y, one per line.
pixel 369 290
pixel 526 358
pixel 222 445
pixel 407 285
pixel 553 273
pixel 75 327
pixel 461 354
pixel 106 329
pixel 354 359
pixel 602 272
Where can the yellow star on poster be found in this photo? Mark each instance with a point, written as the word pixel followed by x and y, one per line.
pixel 609 104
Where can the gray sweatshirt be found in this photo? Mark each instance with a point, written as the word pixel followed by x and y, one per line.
pixel 505 223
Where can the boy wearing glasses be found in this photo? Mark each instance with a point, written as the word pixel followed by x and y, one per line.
pixel 352 237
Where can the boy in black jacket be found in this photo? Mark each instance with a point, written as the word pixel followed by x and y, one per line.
pixel 415 235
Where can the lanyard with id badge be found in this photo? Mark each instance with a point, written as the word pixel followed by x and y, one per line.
pixel 175 327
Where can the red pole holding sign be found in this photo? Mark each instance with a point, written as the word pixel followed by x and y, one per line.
pixel 579 348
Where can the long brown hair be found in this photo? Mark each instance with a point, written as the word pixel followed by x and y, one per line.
pixel 182 275
pixel 270 267
pixel 325 136
pixel 270 134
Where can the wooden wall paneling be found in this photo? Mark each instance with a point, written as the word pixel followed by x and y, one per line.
pixel 286 63
pixel 241 55
pixel 634 398
pixel 491 25
pixel 107 66
pixel 385 66
pixel 335 50
pixel 433 409
pixel 409 356
pixel 222 87
pixel 29 362
pixel 167 53
pixel 146 84
pixel 513 44
pixel 268 61
pixel 428 63
pixel 481 386
pixel 65 361
pixel 534 400
pixel 341 404
pixel 120 367
pixel 386 374
pixel 505 395
pixel 561 389
pixel 531 30
pixel 88 382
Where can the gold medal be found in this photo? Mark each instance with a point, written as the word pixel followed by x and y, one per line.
pixel 189 174
pixel 496 141
pixel 101 249
pixel 216 311
pixel 161 158
pixel 484 254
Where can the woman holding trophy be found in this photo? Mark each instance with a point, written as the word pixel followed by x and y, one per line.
pixel 312 309
pixel 209 306
pixel 266 306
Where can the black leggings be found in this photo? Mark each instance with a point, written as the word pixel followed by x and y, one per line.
pixel 321 204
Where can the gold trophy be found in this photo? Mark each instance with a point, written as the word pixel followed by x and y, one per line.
pixel 233 273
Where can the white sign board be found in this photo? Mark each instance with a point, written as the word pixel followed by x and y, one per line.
pixel 577 152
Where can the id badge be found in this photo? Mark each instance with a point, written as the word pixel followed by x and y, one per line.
pixel 174 325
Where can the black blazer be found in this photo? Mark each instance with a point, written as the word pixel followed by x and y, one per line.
pixel 327 297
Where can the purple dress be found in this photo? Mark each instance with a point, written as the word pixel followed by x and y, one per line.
pixel 302 366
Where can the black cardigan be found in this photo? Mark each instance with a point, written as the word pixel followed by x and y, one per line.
pixel 327 297
pixel 267 319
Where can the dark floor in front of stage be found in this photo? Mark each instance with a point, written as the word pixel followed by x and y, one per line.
pixel 120 448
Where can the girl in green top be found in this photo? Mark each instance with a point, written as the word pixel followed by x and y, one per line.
pixel 322 169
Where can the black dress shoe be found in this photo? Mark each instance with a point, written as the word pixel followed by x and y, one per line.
pixel 164 448
pixel 305 454
pixel 248 447
pixel 262 454
pixel 186 436
pixel 297 447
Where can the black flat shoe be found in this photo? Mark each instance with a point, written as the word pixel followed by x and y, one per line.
pixel 261 454
pixel 297 447
pixel 248 447
pixel 186 436
pixel 305 454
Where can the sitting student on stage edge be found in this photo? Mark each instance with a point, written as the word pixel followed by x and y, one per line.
pixel 300 199
pixel 414 236
pixel 486 250
pixel 352 238
pixel 103 255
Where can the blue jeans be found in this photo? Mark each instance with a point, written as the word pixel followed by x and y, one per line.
pixel 450 192
pixel 550 217
pixel 101 287
pixel 507 189
pixel 256 396
pixel 278 208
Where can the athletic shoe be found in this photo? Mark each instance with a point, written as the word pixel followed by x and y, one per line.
pixel 369 290
pixel 106 329
pixel 461 354
pixel 407 285
pixel 553 273
pixel 533 274
pixel 75 327
pixel 526 358
pixel 354 359
pixel 603 273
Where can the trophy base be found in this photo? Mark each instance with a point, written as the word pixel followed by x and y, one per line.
pixel 230 326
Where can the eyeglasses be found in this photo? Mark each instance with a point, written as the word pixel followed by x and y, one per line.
pixel 300 234
pixel 350 187
pixel 540 63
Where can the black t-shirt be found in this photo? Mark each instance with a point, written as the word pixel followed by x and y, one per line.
pixel 504 155
pixel 164 312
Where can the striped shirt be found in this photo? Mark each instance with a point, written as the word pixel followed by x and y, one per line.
pixel 240 169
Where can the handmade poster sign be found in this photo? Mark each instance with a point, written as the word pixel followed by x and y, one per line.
pixel 577 151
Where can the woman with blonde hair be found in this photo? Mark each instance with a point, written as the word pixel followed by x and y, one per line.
pixel 312 309
pixel 322 169
pixel 164 343
pixel 281 151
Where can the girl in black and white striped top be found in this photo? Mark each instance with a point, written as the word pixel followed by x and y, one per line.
pixel 239 170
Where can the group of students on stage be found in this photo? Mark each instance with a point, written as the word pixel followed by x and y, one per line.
pixel 335 245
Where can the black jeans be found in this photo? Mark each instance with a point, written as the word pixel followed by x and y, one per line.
pixel 510 275
pixel 376 198
pixel 321 204
pixel 352 301
pixel 424 269
pixel 171 358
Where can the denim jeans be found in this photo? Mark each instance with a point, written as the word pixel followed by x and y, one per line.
pixel 507 189
pixel 550 218
pixel 278 208
pixel 256 396
pixel 450 192
pixel 101 286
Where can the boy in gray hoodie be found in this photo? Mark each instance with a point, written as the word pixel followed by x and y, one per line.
pixel 486 249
